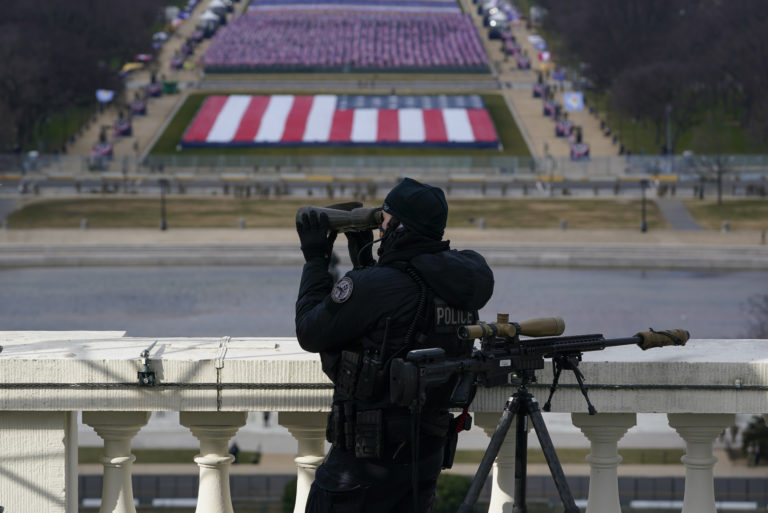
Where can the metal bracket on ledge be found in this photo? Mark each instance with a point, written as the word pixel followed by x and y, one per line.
pixel 147 375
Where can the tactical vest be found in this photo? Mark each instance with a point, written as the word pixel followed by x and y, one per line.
pixel 362 375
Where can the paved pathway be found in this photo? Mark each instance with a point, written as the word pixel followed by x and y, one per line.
pixel 661 249
pixel 677 215
pixel 538 130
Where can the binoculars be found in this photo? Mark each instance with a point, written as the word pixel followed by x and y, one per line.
pixel 347 217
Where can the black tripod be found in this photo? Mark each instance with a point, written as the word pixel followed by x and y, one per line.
pixel 523 405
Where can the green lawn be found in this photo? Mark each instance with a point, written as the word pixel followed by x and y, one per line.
pixel 510 137
pixel 741 214
pixel 724 135
pixel 56 131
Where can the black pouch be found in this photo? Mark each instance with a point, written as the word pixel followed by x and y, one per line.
pixel 460 423
pixel 334 430
pixel 450 449
pixel 368 434
pixel 370 375
pixel 348 441
pixel 346 376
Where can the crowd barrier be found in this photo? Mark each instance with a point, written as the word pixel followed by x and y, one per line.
pixel 745 168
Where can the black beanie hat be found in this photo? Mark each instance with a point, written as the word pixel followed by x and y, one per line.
pixel 420 207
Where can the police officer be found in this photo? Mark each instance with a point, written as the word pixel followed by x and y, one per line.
pixel 386 457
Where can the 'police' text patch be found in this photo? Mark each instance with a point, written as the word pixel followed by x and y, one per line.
pixel 448 319
pixel 342 290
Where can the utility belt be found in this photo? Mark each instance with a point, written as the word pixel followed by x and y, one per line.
pixel 385 433
pixel 361 376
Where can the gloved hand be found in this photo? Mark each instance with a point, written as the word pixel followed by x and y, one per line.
pixel 357 241
pixel 315 236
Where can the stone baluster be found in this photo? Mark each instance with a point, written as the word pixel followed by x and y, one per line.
pixel 699 432
pixel 604 431
pixel 503 475
pixel 117 429
pixel 308 428
pixel 214 430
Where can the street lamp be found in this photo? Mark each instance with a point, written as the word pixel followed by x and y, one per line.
pixel 669 130
pixel 164 184
pixel 643 224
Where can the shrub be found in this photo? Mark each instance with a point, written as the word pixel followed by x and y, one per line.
pixel 451 490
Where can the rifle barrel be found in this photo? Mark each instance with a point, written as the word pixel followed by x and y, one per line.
pixel 547 347
pixel 611 342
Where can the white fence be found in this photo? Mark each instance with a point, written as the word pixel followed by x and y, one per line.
pixel 747 167
pixel 47 377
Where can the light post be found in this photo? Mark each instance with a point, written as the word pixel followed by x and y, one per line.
pixel 163 186
pixel 669 130
pixel 643 224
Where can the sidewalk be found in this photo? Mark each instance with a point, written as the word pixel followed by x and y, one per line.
pixel 704 251
pixel 458 237
pixel 677 215
pixel 539 129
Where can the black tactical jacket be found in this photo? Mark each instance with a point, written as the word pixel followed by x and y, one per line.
pixel 369 302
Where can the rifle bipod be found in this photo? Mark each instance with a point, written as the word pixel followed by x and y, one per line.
pixel 523 405
pixel 571 363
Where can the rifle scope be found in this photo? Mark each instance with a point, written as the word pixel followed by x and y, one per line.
pixel 543 327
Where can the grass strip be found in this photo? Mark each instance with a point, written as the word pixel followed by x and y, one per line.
pixel 226 212
pixel 741 214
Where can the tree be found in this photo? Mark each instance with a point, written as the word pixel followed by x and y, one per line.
pixel 450 493
pixel 755 436
pixel 614 35
pixel 658 92
pixel 288 499
pixel 56 54
pixel 740 52
pixel 690 55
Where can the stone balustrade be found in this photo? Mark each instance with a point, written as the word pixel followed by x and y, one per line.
pixel 48 377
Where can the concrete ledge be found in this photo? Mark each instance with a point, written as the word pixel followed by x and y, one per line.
pixel 275 374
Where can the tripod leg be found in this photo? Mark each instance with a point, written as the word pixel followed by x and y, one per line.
pixel 521 463
pixel 549 453
pixel 510 410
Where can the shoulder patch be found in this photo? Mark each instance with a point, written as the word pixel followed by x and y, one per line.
pixel 342 290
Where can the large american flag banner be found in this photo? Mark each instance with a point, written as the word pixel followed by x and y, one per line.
pixel 420 120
